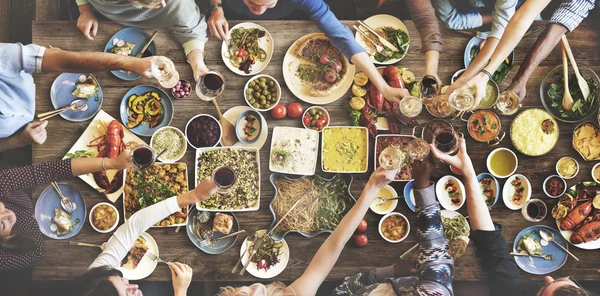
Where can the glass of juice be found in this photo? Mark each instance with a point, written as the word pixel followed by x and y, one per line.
pixel 142 157
pixel 225 178
pixel 534 210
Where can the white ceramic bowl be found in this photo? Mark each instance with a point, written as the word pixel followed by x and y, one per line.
pixel 394 214
pixel 276 86
pixel 183 137
pixel 213 118
pixel 318 108
pixel 508 190
pixel 391 208
pixel 594 168
pixel 92 214
pixel 442 194
pixel 564 184
pixel 576 164
pixel 490 156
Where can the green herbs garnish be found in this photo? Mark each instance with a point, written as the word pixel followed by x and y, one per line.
pixel 399 39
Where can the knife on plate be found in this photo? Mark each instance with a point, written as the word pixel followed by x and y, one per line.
pixel 381 39
pixel 211 241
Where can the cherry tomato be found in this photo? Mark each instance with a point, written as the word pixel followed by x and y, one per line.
pixel 331 76
pixel 336 66
pixel 306 120
pixel 295 110
pixel 320 124
pixel 325 119
pixel 241 52
pixel 362 226
pixel 360 240
pixel 279 111
pixel 262 264
pixel 324 59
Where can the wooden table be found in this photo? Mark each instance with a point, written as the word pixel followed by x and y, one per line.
pixel 62 261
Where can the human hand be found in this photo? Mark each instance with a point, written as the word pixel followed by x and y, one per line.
pixel 87 22
pixel 518 89
pixel 478 85
pixel 461 161
pixel 196 60
pixel 422 171
pixel 123 161
pixel 142 66
pixel 182 277
pixel 34 133
pixel 205 189
pixel 393 94
pixel 217 23
pixel 381 177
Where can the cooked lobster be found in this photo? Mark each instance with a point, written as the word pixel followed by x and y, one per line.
pixel 368 122
pixel 587 233
pixel 392 76
pixel 375 98
pixel 390 115
pixel 576 216
pixel 110 145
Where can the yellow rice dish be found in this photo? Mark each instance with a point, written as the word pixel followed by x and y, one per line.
pixel 345 149
pixel 534 132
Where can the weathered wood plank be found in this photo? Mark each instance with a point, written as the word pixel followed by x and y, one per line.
pixel 4 20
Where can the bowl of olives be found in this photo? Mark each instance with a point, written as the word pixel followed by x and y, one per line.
pixel 315 118
pixel 262 92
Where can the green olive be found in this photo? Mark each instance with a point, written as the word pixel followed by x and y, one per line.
pixel 252 84
pixel 262 98
pixel 262 102
pixel 249 91
pixel 313 122
pixel 271 83
pixel 256 105
pixel 256 95
pixel 256 88
pixel 320 112
pixel 251 101
pixel 264 93
pixel 269 96
pixel 262 85
pixel 262 79
pixel 312 111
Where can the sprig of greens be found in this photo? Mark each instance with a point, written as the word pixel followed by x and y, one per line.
pixel 82 154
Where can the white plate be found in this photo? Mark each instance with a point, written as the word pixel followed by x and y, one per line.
pixel 442 195
pixel 378 21
pixel 146 266
pixel 284 257
pixel 452 214
pixel 92 132
pixel 297 87
pixel 394 202
pixel 308 151
pixel 232 115
pixel 265 43
pixel 508 190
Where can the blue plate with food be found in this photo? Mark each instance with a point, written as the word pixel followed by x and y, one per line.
pixel 129 42
pixel 476 44
pixel 409 196
pixel 203 228
pixel 53 220
pixel 145 109
pixel 71 86
pixel 490 189
pixel 529 242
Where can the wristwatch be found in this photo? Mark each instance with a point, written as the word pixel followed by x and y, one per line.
pixel 215 6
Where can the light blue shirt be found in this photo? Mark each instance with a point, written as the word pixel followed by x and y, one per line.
pixel 17 90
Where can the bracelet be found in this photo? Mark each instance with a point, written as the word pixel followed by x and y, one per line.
pixel 486 72
pixel 103 167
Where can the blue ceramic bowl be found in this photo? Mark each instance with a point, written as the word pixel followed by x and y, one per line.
pixel 541 266
pixel 487 175
pixel 61 96
pixel 409 196
pixel 475 41
pixel 240 122
pixel 144 128
pixel 49 200
pixel 217 247
pixel 137 37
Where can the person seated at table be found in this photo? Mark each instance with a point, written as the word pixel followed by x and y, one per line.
pixel 318 11
pixel 21 242
pixel 17 88
pixel 501 269
pixel 181 17
pixel 435 269
pixel 103 278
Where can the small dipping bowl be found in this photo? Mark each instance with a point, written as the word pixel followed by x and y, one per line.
pixel 402 217
pixel 181 153
pixel 92 212
pixel 596 167
pixel 393 203
pixel 489 158
pixel 564 160
pixel 241 123
pixel 307 113
pixel 561 180
pixel 182 90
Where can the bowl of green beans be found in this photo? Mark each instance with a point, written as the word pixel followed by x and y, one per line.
pixel 262 92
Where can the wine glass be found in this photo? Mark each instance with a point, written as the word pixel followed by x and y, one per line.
pixel 428 88
pixel 410 107
pixel 210 86
pixel 418 149
pixel 446 140
pixel 462 99
pixel 164 71
pixel 440 106
pixel 508 103
pixel 225 178
pixel 392 157
pixel 142 157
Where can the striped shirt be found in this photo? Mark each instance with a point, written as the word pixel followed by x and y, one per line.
pixel 570 13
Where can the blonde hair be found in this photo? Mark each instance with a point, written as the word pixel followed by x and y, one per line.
pixel 273 289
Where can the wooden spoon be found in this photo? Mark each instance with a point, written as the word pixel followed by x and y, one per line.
pixel 585 88
pixel 229 138
pixel 567 102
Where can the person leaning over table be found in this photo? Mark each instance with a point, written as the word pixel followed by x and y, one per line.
pixel 17 88
pixel 501 269
pixel 318 11
pixel 181 17
pixel 21 242
pixel 103 278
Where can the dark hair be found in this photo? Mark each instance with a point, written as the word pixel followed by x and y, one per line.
pixel 17 244
pixel 569 290
pixel 95 282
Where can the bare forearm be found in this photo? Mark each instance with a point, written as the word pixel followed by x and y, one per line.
pixel 480 60
pixel 432 58
pixel 479 214
pixel 12 142
pixel 56 60
pixel 82 166
pixel 363 63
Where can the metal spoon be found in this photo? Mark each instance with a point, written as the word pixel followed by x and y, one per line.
pixel 76 105
pixel 549 236
pixel 161 153
pixel 382 200
pixel 66 203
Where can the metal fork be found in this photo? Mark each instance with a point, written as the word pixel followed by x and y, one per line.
pixel 154 257
pixel 66 203
pixel 380 49
pixel 549 257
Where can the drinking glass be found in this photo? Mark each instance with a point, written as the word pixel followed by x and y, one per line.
pixel 164 71
pixel 462 99
pixel 225 178
pixel 508 103
pixel 210 86
pixel 418 149
pixel 142 157
pixel 440 106
pixel 428 88
pixel 410 107
pixel 392 157
pixel 446 140
pixel 534 210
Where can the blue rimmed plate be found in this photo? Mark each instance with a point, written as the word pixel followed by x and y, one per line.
pixel 541 266
pixel 144 129
pixel 409 196
pixel 61 96
pixel 474 42
pixel 137 37
pixel 217 247
pixel 49 200
pixel 495 186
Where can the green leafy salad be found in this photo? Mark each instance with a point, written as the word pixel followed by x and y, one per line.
pixel 581 108
pixel 399 39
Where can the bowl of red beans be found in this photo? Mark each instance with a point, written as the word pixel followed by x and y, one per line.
pixel 555 186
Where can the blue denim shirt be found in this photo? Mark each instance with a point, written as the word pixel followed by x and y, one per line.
pixel 455 19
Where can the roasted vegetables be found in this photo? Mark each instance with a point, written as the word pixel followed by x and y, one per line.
pixel 144 108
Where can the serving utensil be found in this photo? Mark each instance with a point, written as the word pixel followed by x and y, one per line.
pixel 210 241
pixel 154 257
pixel 382 200
pixel 567 101
pixel 73 243
pixel 549 236
pixel 161 153
pixel 66 203
pixel 549 257
pixel 378 47
pixel 585 89
pixel 76 105
pixel 228 138
pixel 381 39
pixel 139 55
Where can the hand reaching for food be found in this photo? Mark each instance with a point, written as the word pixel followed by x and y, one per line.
pixel 87 22
pixel 381 177
pixel 217 23
pixel 181 275
pixel 478 85
pixel 395 94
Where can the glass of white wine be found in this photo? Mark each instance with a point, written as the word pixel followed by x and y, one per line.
pixel 392 157
pixel 462 99
pixel 410 107
pixel 418 149
pixel 164 71
pixel 508 103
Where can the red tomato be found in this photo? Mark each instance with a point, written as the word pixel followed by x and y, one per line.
pixel 279 112
pixel 262 264
pixel 324 59
pixel 319 124
pixel 336 66
pixel 241 52
pixel 362 226
pixel 325 119
pixel 306 120
pixel 360 240
pixel 295 110
pixel 331 76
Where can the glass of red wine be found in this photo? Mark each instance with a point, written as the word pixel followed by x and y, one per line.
pixel 225 178
pixel 534 210
pixel 142 157
pixel 446 140
pixel 210 86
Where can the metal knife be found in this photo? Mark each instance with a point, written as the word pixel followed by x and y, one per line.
pixel 211 241
pixel 381 39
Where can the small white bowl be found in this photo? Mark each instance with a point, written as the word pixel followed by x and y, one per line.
pixel 181 154
pixel 564 184
pixel 490 157
pixel 594 168
pixel 218 123
pixel 576 164
pixel 442 194
pixel 318 108
pixel 276 86
pixel 508 191
pixel 92 214
pixel 394 214
pixel 391 208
